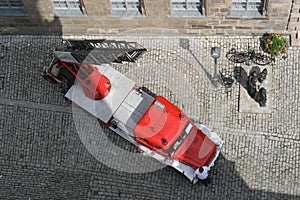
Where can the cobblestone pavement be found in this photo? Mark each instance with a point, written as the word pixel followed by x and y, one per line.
pixel 42 156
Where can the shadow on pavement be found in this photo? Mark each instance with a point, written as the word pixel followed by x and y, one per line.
pixel 241 76
pixel 226 184
pixel 184 43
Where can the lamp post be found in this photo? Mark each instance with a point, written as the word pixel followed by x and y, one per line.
pixel 215 54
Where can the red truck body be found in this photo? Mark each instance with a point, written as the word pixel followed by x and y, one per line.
pixel 153 124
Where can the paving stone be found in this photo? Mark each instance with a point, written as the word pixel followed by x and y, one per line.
pixel 43 157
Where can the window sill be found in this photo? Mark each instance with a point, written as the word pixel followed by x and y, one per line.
pixel 245 17
pixel 12 12
pixel 246 14
pixel 187 16
pixel 68 13
pixel 126 14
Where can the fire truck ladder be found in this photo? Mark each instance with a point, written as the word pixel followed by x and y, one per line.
pixel 104 51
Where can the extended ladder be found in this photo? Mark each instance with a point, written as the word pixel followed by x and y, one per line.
pixel 104 51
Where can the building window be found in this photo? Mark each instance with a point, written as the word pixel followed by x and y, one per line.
pixel 11 8
pixel 247 8
pixel 67 7
pixel 186 8
pixel 126 8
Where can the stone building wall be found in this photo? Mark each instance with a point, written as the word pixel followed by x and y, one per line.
pixel 156 15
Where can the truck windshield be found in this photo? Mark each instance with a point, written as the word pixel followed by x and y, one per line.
pixel 188 129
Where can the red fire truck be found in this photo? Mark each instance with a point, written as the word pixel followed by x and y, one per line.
pixel 152 123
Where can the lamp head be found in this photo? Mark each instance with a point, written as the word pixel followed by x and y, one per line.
pixel 215 52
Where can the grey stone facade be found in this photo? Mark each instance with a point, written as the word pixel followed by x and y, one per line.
pixel 277 16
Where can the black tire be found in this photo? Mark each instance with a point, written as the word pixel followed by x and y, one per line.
pixel 49 78
pixel 261 59
pixel 68 100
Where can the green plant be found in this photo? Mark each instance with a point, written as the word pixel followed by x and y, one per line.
pixel 274 44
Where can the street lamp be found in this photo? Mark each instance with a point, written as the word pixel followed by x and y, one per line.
pixel 215 54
